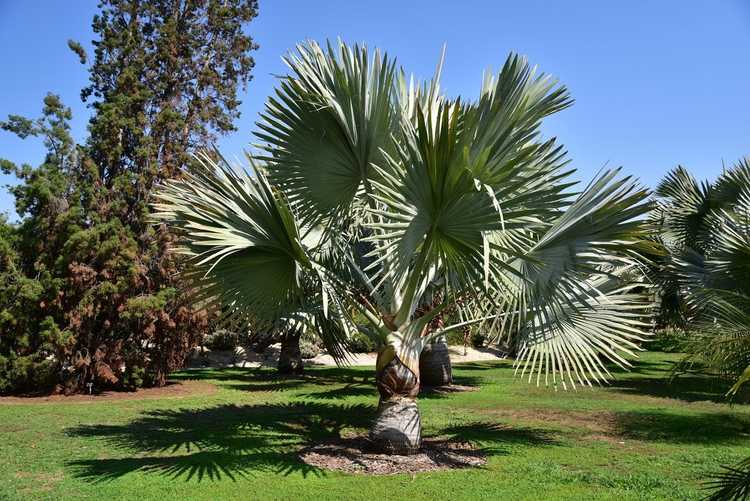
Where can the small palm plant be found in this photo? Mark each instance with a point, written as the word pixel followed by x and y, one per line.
pixel 405 189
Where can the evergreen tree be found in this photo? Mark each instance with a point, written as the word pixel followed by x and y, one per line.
pixel 33 337
pixel 163 81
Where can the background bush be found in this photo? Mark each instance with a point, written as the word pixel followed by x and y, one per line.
pixel 478 339
pixel 308 349
pixel 669 339
pixel 361 343
pixel 221 339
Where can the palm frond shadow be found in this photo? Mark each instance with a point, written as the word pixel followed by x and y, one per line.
pixel 664 379
pixel 238 374
pixel 484 365
pixel 236 441
pixel 341 382
pixel 461 383
pixel 213 443
pixel 348 390
pixel 264 379
pixel 686 386
pixel 673 427
pixel 496 439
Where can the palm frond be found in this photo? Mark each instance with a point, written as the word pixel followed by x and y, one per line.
pixel 244 243
pixel 683 207
pixel 330 120
pixel 461 173
pixel 572 308
pixel 731 484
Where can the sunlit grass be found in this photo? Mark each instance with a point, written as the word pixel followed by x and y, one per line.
pixel 639 438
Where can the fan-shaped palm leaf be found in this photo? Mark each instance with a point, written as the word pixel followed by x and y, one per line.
pixel 249 257
pixel 329 122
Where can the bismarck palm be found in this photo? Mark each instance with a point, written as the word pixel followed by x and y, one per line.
pixel 408 190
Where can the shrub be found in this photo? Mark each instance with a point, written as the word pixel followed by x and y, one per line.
pixel 670 340
pixel 478 340
pixel 221 339
pixel 133 378
pixel 455 338
pixel 361 343
pixel 308 349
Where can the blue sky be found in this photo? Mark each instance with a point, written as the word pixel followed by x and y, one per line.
pixel 656 83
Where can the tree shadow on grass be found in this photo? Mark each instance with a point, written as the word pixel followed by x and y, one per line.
pixel 217 442
pixel 500 363
pixel 687 389
pixel 341 382
pixel 655 378
pixel 673 427
pixel 640 366
pixel 348 390
pixel 496 439
pixel 237 441
pixel 460 384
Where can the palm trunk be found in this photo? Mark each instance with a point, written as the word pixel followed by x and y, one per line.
pixel 290 358
pixel 435 364
pixel 398 427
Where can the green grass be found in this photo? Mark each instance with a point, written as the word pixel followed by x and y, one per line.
pixel 640 438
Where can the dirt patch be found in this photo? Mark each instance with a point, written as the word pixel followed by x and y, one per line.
pixel 603 426
pixel 592 422
pixel 355 455
pixel 179 389
pixel 43 482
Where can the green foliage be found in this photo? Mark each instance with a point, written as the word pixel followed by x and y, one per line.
pixel 308 349
pixel 705 231
pixel 474 336
pixel 90 289
pixel 731 484
pixel 478 339
pixel 361 343
pixel 33 335
pixel 669 340
pixel 707 236
pixel 455 338
pixel 221 339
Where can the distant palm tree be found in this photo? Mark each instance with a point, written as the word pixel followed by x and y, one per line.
pixel 407 188
pixel 706 228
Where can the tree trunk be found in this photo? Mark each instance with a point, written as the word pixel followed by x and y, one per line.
pixel 290 358
pixel 398 427
pixel 435 364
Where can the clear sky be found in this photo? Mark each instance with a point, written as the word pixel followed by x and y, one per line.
pixel 656 83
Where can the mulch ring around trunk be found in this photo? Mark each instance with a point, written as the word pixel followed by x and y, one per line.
pixel 355 455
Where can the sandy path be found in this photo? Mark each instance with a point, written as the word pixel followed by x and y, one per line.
pixel 241 358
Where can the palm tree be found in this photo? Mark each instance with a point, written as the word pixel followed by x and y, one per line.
pixel 410 188
pixel 707 228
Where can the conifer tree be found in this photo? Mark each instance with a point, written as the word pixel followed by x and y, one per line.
pixel 164 78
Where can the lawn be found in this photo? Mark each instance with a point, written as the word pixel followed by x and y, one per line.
pixel 640 438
